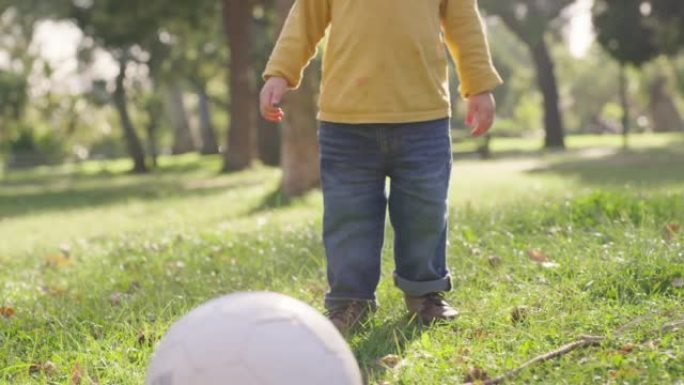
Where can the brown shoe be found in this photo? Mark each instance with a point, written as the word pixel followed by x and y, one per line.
pixel 430 308
pixel 348 316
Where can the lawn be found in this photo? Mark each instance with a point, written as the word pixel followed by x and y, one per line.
pixel 95 264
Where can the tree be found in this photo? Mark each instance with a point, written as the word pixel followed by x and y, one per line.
pixel 118 27
pixel 198 57
pixel 129 30
pixel 622 34
pixel 530 20
pixel 266 27
pixel 299 143
pixel 183 141
pixel 241 146
pixel 634 32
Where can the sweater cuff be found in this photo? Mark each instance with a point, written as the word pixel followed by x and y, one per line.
pixel 293 81
pixel 484 83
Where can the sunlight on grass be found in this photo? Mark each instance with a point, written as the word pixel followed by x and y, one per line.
pixel 95 264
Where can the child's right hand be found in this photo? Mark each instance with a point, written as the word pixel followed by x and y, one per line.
pixel 271 95
pixel 481 110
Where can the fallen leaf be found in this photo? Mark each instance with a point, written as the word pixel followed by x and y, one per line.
pixel 58 260
pixel 392 361
pixel 542 280
pixel 7 312
pixel 47 367
pixel 520 314
pixel 65 249
pixel 494 260
pixel 146 338
pixel 550 265
pixel 678 282
pixel 115 298
pixel 627 348
pixel 474 374
pixel 670 231
pixel 538 256
pixel 55 291
pixel 76 374
pixel 479 334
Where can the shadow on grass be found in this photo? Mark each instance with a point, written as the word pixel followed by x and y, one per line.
pixel 273 200
pixel 99 191
pixel 94 170
pixel 379 348
pixel 653 168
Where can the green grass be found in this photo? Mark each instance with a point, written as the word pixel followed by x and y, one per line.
pixel 144 250
pixel 508 146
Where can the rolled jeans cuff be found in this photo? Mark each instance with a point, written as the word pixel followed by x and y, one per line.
pixel 419 288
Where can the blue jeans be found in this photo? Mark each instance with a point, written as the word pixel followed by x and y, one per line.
pixel 355 160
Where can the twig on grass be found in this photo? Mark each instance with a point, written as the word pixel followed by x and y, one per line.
pixel 582 342
pixel 672 326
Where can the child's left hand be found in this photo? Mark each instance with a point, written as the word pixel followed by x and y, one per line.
pixel 481 110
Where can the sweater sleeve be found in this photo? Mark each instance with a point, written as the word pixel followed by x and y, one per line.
pixel 304 27
pixel 466 40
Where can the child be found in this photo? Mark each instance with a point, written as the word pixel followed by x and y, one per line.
pixel 384 112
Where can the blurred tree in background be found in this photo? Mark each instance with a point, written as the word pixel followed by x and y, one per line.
pixel 635 32
pixel 530 21
pixel 164 77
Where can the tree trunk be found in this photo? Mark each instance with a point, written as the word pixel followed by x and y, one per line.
pixel 154 113
pixel 241 146
pixel 299 152
pixel 666 117
pixel 269 143
pixel 546 78
pixel 133 145
pixel 183 141
pixel 625 106
pixel 207 132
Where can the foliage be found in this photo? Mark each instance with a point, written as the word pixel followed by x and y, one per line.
pixel 528 19
pixel 635 31
pixel 622 31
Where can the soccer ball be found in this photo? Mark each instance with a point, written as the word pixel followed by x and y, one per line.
pixel 253 339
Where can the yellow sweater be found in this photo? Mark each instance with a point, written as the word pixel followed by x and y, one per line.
pixel 385 60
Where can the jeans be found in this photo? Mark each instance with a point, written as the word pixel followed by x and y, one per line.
pixel 355 161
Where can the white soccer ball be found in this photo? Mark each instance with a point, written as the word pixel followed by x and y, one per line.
pixel 253 339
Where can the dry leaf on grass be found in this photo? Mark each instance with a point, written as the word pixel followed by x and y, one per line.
pixel 76 374
pixel 474 374
pixel 57 260
pixel 520 314
pixel 7 312
pixel 627 348
pixel 392 362
pixel 47 367
pixel 115 298
pixel 538 256
pixel 145 338
pixel 65 249
pixel 670 231
pixel 54 291
pixel 494 260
